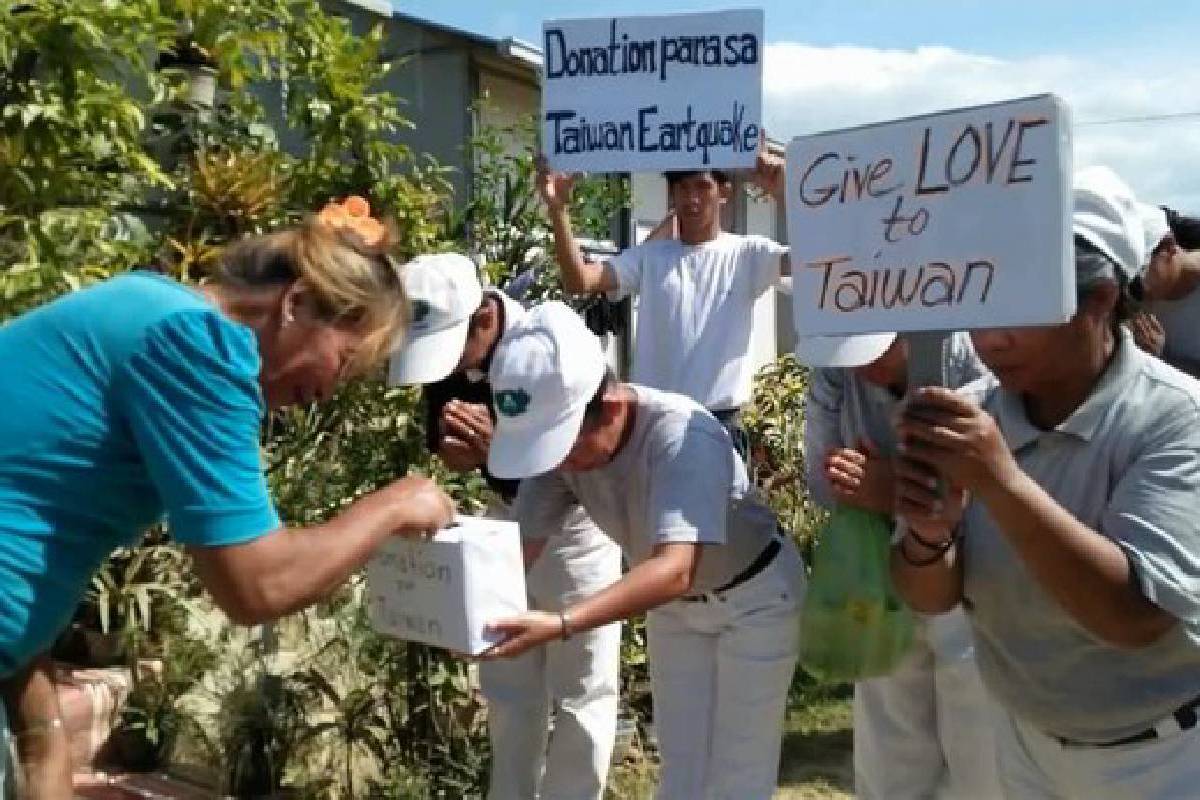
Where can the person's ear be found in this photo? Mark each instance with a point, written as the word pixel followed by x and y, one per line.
pixel 294 302
pixel 725 191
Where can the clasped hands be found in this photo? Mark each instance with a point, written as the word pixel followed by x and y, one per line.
pixel 948 449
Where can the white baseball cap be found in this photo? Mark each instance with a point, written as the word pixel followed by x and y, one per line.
pixel 1108 216
pixel 843 351
pixel 1155 229
pixel 544 372
pixel 443 291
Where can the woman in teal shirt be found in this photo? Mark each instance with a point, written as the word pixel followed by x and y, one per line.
pixel 141 397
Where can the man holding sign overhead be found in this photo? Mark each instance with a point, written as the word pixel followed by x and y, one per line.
pixel 696 116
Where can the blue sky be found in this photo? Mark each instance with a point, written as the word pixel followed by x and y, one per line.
pixel 994 27
pixel 833 63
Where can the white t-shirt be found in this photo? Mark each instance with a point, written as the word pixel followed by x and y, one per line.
pixel 695 313
pixel 677 479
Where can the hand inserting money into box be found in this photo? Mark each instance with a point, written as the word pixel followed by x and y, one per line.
pixel 444 590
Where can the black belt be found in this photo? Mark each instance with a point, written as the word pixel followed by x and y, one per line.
pixel 756 566
pixel 725 416
pixel 1184 716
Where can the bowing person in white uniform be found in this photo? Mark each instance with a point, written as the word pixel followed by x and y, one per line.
pixel 575 685
pixel 924 730
pixel 721 583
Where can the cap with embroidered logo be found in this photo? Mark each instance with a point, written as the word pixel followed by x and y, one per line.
pixel 544 372
pixel 443 291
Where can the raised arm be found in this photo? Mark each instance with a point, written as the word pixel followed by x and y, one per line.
pixel 291 568
pixel 770 176
pixel 579 276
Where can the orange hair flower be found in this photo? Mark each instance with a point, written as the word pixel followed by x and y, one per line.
pixel 354 214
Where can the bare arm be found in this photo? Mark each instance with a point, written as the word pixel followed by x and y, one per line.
pixel 665 576
pixel 770 176
pixel 932 588
pixel 579 276
pixel 36 720
pixel 1084 571
pixel 291 568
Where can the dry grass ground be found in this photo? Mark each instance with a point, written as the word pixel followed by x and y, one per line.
pixel 816 758
pixel 815 763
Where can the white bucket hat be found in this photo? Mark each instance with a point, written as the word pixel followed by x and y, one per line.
pixel 1155 229
pixel 444 291
pixel 544 372
pixel 843 351
pixel 1108 216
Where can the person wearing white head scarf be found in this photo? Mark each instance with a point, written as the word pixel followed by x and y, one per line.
pixel 1168 325
pixel 1077 556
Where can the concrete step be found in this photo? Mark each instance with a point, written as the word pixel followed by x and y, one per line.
pixel 91 700
pixel 104 786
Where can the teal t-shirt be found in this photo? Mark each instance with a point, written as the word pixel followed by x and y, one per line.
pixel 120 403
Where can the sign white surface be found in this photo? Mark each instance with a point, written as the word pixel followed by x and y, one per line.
pixel 637 94
pixel 948 221
pixel 445 590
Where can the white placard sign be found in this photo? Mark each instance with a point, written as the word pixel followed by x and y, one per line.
pixel 636 94
pixel 948 221
pixel 445 590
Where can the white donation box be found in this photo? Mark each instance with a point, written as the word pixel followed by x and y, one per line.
pixel 443 591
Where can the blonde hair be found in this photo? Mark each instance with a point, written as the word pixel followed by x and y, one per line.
pixel 352 282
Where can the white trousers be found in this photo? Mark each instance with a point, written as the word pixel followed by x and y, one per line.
pixel 720 671
pixel 1034 766
pixel 926 730
pixel 552 712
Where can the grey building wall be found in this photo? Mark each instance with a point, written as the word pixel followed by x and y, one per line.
pixel 433 81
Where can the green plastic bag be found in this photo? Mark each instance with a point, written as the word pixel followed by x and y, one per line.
pixel 853 625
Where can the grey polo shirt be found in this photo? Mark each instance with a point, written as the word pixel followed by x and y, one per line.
pixel 841 409
pixel 1126 463
pixel 677 479
pixel 1181 324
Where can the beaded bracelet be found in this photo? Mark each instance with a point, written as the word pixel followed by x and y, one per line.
pixel 942 549
pixel 943 545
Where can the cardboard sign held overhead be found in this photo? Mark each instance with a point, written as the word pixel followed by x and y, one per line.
pixel 949 221
pixel 638 94
pixel 445 591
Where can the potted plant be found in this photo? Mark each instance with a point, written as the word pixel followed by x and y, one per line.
pixel 138 598
pixel 263 722
pixel 153 718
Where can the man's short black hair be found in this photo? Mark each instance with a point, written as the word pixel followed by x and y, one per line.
pixel 592 411
pixel 676 175
pixel 1184 228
